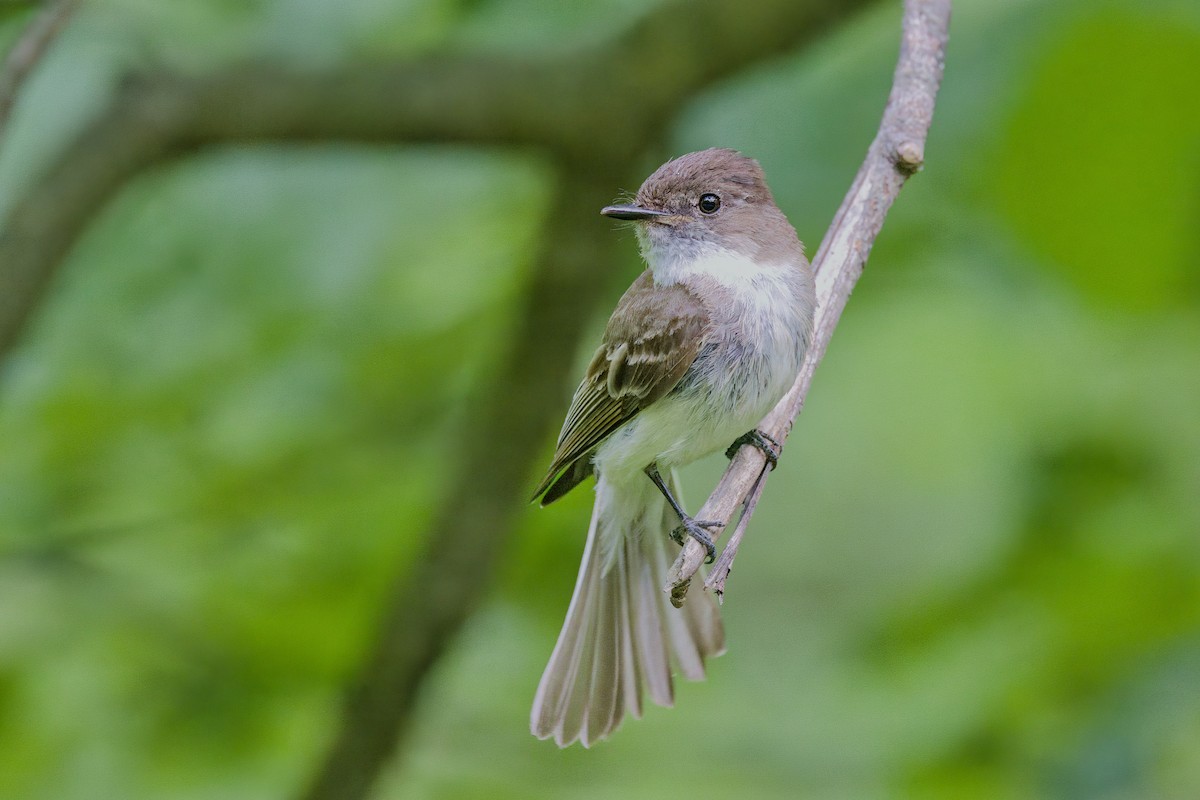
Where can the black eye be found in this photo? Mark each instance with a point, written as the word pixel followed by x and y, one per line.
pixel 709 203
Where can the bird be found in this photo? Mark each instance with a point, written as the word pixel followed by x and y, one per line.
pixel 699 348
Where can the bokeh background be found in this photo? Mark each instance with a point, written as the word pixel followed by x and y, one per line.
pixel 976 573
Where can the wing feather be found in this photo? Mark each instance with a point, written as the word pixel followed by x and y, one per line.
pixel 652 338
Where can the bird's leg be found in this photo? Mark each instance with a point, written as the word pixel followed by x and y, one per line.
pixel 756 438
pixel 694 528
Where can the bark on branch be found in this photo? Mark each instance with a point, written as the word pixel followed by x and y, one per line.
pixel 896 153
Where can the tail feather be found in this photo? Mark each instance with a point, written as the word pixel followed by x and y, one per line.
pixel 621 635
pixel 650 661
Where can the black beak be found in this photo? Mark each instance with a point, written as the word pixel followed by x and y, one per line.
pixel 632 212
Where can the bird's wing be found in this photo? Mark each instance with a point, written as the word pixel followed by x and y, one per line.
pixel 652 338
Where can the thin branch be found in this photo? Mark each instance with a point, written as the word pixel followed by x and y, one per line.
pixel 724 564
pixel 32 44
pixel 896 153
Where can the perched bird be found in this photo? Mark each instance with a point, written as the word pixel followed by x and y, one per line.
pixel 701 346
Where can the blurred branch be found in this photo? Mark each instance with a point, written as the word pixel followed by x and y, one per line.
pixel 31 45
pixel 897 152
pixel 504 429
pixel 602 105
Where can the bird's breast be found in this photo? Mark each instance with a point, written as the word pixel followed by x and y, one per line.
pixel 760 322
pixel 761 325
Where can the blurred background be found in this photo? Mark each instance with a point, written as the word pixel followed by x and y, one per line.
pixel 223 433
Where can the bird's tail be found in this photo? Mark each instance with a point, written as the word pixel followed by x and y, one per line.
pixel 622 635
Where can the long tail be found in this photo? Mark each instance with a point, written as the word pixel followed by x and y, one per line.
pixel 622 634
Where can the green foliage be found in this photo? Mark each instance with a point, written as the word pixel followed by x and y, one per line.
pixel 1132 136
pixel 976 574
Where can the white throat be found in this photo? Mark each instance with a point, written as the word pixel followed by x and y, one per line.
pixel 672 265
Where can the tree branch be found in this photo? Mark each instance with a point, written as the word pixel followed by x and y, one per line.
pixel 22 282
pixel 28 50
pixel 602 105
pixel 896 153
pixel 504 429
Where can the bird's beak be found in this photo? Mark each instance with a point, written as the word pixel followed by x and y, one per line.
pixel 632 212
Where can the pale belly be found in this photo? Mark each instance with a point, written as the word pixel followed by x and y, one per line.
pixel 711 408
pixel 759 335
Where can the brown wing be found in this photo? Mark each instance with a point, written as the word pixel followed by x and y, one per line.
pixel 652 338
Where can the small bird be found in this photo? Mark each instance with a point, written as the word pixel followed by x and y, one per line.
pixel 701 346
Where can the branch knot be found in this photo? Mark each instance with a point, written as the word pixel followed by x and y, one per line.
pixel 909 157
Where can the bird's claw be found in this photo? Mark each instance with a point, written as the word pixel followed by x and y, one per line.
pixel 695 528
pixel 764 442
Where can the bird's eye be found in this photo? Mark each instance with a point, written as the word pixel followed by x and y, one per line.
pixel 709 203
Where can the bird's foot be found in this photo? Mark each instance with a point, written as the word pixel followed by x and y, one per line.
pixel 695 528
pixel 756 438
